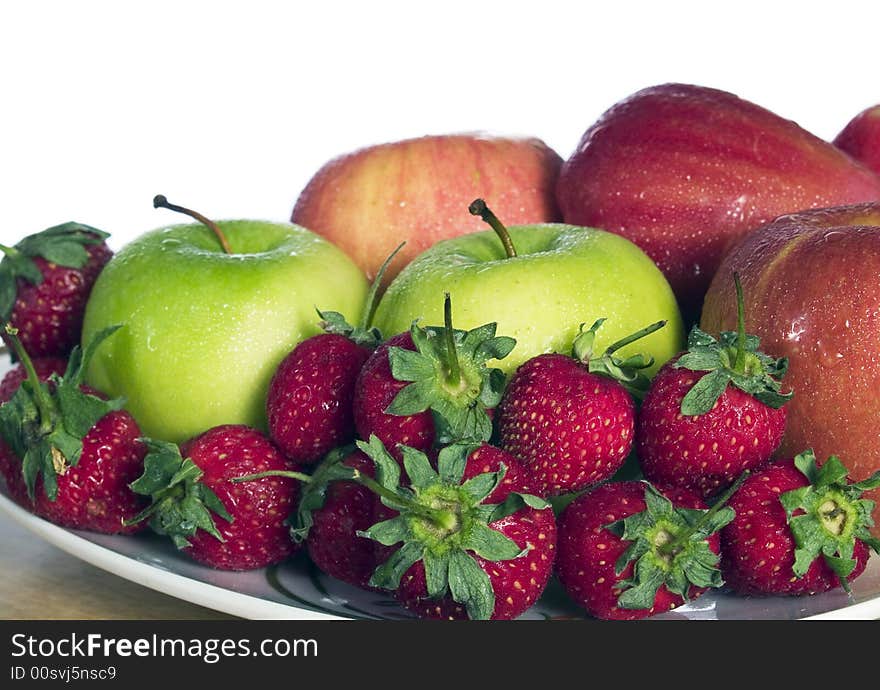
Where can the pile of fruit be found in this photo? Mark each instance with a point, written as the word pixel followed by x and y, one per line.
pixel 455 413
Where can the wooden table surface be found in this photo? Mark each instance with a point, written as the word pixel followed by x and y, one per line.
pixel 38 580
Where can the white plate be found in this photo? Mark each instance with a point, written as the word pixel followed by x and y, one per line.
pixel 297 590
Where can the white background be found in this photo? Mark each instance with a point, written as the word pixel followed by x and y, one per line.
pixel 231 107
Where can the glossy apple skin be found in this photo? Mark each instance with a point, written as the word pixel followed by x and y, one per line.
pixel 811 294
pixel 683 171
pixel 562 276
pixel 861 138
pixel 204 331
pixel 418 190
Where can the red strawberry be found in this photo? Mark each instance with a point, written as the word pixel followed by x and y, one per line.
pixel 571 420
pixel 332 510
pixel 188 484
pixel 375 390
pixel 713 412
pixel 45 281
pixel 309 403
pixel 472 546
pixel 44 367
pixel 431 386
pixel 68 453
pixel 627 551
pixel 798 529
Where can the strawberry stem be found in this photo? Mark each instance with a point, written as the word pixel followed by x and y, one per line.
pixel 159 201
pixel 478 208
pixel 623 342
pixel 299 476
pixel 444 519
pixel 739 364
pixel 453 376
pixel 372 302
pixel 44 405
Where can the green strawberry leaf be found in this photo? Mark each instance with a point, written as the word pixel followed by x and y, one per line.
pixel 448 374
pixel 490 544
pixel 452 460
pixel 827 515
pixel 470 586
pixel 704 393
pixel 436 574
pixel 514 503
pixel 45 423
pixel 627 371
pixel 388 532
pixel 388 574
pixel 418 468
pixel 180 503
pixel 445 524
pixel 62 244
pixel 668 546
pixel 734 359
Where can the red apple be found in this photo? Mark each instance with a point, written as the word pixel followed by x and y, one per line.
pixel 418 190
pixel 811 294
pixel 683 171
pixel 861 138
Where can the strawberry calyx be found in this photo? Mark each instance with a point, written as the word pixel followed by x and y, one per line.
pixel 314 491
pixel 628 371
pixel 442 522
pixel 669 546
pixel 181 504
pixel 364 334
pixel 64 245
pixel 448 374
pixel 732 359
pixel 828 515
pixel 44 423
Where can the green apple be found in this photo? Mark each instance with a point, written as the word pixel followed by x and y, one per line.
pixel 204 330
pixel 561 276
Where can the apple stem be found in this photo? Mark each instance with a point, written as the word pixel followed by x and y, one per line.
pixel 43 404
pixel 478 208
pixel 632 337
pixel 372 302
pixel 159 201
pixel 453 376
pixel 739 364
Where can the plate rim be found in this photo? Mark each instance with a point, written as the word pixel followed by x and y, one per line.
pixel 164 581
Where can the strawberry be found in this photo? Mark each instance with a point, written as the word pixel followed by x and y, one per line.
pixel 69 453
pixel 471 545
pixel 628 551
pixel 571 420
pixel 431 386
pixel 189 484
pixel 309 402
pixel 799 529
pixel 333 509
pixel 712 412
pixel 43 366
pixel 45 281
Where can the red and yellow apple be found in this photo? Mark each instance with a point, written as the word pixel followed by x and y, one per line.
pixel 417 190
pixel 683 171
pixel 861 138
pixel 812 294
